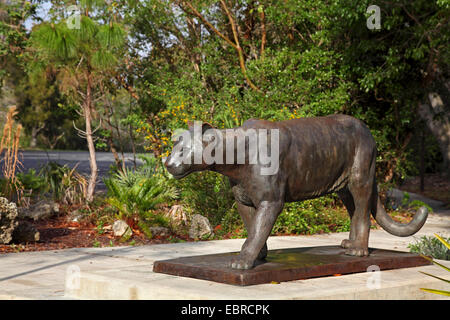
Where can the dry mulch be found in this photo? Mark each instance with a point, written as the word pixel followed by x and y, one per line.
pixel 61 233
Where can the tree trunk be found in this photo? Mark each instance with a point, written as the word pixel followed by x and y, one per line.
pixel 437 119
pixel 90 140
pixel 34 133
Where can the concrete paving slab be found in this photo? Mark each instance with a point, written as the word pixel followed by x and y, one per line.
pixel 126 272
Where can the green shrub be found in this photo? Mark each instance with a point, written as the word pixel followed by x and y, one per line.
pixel 137 193
pixel 416 204
pixel 312 216
pixel 64 183
pixel 446 244
pixel 209 194
pixel 32 182
pixel 430 246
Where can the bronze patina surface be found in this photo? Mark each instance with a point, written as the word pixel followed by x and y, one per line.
pixel 286 265
pixel 316 156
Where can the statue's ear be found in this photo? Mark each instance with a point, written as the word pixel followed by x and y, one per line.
pixel 206 126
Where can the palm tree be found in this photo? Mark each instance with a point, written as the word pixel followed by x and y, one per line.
pixel 82 57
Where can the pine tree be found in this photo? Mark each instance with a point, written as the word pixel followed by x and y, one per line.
pixel 84 48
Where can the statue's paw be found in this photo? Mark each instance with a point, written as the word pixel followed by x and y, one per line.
pixel 359 252
pixel 241 263
pixel 263 253
pixel 346 243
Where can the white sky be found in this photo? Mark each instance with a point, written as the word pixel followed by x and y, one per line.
pixel 42 12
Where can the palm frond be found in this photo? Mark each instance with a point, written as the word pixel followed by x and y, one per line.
pixel 435 262
pixel 442 292
pixel 445 243
pixel 436 277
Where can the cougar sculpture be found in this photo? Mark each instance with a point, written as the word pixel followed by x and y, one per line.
pixel 315 157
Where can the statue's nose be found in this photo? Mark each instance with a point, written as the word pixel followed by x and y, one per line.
pixel 168 164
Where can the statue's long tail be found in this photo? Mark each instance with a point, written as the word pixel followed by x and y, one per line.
pixel 393 227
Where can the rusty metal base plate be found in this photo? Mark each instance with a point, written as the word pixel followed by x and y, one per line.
pixel 287 264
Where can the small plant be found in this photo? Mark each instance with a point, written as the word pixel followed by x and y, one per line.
pixel 11 186
pixel 64 183
pixel 416 204
pixel 138 193
pixel 320 215
pixel 431 246
pixel 100 225
pixel 442 292
pixel 406 198
pixel 32 182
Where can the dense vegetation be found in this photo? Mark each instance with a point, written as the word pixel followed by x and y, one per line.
pixel 124 74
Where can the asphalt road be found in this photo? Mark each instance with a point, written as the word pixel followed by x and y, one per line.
pixel 80 159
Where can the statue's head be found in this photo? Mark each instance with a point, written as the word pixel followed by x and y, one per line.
pixel 187 153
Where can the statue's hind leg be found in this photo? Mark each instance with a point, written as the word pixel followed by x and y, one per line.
pixel 347 199
pixel 360 187
pixel 358 244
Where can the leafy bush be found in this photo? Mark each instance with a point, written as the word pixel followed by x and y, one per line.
pixel 430 246
pixel 64 183
pixel 32 182
pixel 313 216
pixel 446 244
pixel 137 193
pixel 208 194
pixel 416 204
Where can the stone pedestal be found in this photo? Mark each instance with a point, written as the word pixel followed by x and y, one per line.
pixel 288 264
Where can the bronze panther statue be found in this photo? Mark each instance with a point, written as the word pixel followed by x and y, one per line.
pixel 317 156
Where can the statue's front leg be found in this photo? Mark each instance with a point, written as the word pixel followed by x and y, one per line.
pixel 247 214
pixel 258 232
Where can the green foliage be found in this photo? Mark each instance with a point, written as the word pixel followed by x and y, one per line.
pixel 304 58
pixel 446 244
pixel 64 183
pixel 32 182
pixel 208 194
pixel 405 199
pixel 13 34
pixel 416 204
pixel 319 59
pixel 139 192
pixel 431 246
pixel 320 215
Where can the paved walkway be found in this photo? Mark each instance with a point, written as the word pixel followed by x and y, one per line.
pixel 126 272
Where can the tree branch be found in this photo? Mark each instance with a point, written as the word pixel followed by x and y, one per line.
pixel 263 31
pixel 126 86
pixel 209 25
pixel 238 47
